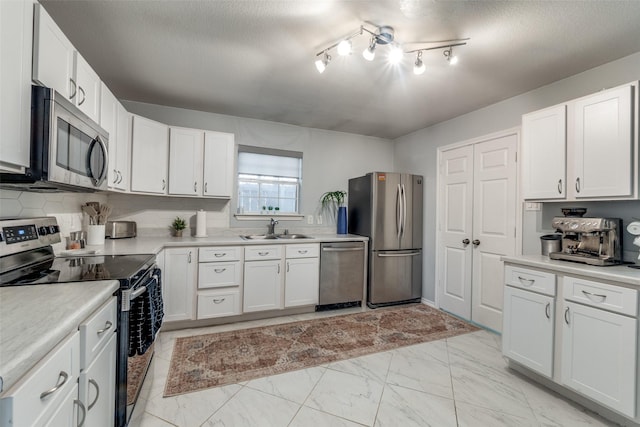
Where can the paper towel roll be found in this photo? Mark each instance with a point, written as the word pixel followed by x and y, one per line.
pixel 634 228
pixel 201 223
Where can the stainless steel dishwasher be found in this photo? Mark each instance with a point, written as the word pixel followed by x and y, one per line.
pixel 341 274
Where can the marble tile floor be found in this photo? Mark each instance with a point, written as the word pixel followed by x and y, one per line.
pixel 460 381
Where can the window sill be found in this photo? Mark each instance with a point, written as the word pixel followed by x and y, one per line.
pixel 258 217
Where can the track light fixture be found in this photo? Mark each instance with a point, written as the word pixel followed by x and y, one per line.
pixel 385 35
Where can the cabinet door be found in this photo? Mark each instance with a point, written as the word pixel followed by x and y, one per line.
pixel 97 388
pixel 70 413
pixel 109 122
pixel 604 144
pixel 301 282
pixel 88 82
pixel 599 355
pixel 262 285
pixel 16 29
pixel 185 161
pixel 178 290
pixel 123 140
pixel 544 144
pixel 53 56
pixel 219 150
pixel 527 332
pixel 149 153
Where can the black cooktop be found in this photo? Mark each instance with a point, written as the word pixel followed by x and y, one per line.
pixel 125 268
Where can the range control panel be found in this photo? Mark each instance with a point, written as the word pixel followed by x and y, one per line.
pixel 18 235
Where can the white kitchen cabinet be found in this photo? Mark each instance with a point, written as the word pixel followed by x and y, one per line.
pixel 70 413
pixel 58 65
pixel 149 156
pixel 218 173
pixel 97 387
pixel 302 275
pixel 219 303
pixel 116 121
pixel 583 149
pixel 179 283
pixel 599 356
pixel 544 146
pixel 603 141
pixel 219 281
pixel 185 161
pixel 262 285
pixel 123 149
pixel 527 332
pixel 16 35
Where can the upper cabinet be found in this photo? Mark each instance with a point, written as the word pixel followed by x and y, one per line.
pixel 16 30
pixel 149 156
pixel 57 64
pixel 585 149
pixel 115 120
pixel 219 151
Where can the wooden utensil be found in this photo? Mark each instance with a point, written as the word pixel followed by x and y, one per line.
pixel 93 215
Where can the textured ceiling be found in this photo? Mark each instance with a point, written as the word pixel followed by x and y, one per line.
pixel 255 58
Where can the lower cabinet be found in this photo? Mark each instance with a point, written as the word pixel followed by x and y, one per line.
pixel 219 303
pixel 179 283
pixel 98 387
pixel 262 285
pixel 70 413
pixel 302 275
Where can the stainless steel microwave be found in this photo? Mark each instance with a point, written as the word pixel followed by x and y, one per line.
pixel 69 151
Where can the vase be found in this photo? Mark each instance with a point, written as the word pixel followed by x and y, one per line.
pixel 95 235
pixel 342 220
pixel 177 233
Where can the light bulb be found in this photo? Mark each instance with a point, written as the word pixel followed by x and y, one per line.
pixel 344 48
pixel 419 67
pixel 321 63
pixel 370 52
pixel 395 54
pixel 453 60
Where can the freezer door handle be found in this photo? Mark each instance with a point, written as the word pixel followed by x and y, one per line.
pixel 405 254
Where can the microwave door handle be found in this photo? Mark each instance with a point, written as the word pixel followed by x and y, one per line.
pixel 97 181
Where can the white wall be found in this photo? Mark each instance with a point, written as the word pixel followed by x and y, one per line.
pixel 329 160
pixel 417 152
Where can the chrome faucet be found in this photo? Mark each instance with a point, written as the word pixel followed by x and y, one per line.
pixel 271 228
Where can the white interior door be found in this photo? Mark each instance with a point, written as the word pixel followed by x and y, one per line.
pixel 494 225
pixel 455 250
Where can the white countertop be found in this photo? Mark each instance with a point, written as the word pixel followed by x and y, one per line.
pixel 34 319
pixel 619 273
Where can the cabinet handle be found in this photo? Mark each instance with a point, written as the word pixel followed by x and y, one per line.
pixel 84 412
pixel 466 242
pixel 219 254
pixel 218 300
pixel 59 384
pixel 566 315
pixel 476 242
pixel 578 184
pixel 163 184
pixel 560 186
pixel 119 177
pixel 95 384
pixel 263 253
pixel 590 295
pixel 278 268
pixel 115 179
pixel 547 310
pixel 287 266
pixel 526 282
pixel 107 326
pixel 205 187
pixel 303 252
pixel 189 258
pixel 195 187
pixel 75 91
pixel 84 96
pixel 219 270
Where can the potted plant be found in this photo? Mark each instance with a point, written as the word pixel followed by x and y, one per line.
pixel 178 225
pixel 333 203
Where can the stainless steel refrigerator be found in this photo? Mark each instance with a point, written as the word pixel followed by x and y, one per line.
pixel 387 208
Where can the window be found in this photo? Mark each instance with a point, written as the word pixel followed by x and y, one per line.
pixel 269 180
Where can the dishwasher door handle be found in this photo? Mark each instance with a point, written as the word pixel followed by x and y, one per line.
pixel 330 249
pixel 389 255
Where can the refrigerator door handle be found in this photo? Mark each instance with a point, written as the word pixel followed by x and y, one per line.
pixel 399 211
pixel 404 210
pixel 392 255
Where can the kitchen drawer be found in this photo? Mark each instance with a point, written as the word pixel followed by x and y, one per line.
pixel 260 253
pixel 96 331
pixel 596 294
pixel 22 405
pixel 219 303
pixel 224 253
pixel 532 280
pixel 219 274
pixel 303 251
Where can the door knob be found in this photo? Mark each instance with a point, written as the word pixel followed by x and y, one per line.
pixel 466 242
pixel 476 242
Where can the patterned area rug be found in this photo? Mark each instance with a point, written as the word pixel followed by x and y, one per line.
pixel 205 361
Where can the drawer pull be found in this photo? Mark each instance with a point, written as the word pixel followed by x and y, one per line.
pixel 218 300
pixel 219 270
pixel 64 377
pixel 219 254
pixel 600 297
pixel 566 315
pixel 95 384
pixel 107 326
pixel 526 282
pixel 263 253
pixel 303 252
pixel 547 310
pixel 84 412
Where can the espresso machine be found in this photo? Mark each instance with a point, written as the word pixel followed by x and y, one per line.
pixel 594 241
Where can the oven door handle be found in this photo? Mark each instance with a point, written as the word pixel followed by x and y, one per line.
pixel 135 294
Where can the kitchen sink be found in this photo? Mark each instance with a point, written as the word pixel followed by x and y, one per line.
pixel 274 236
